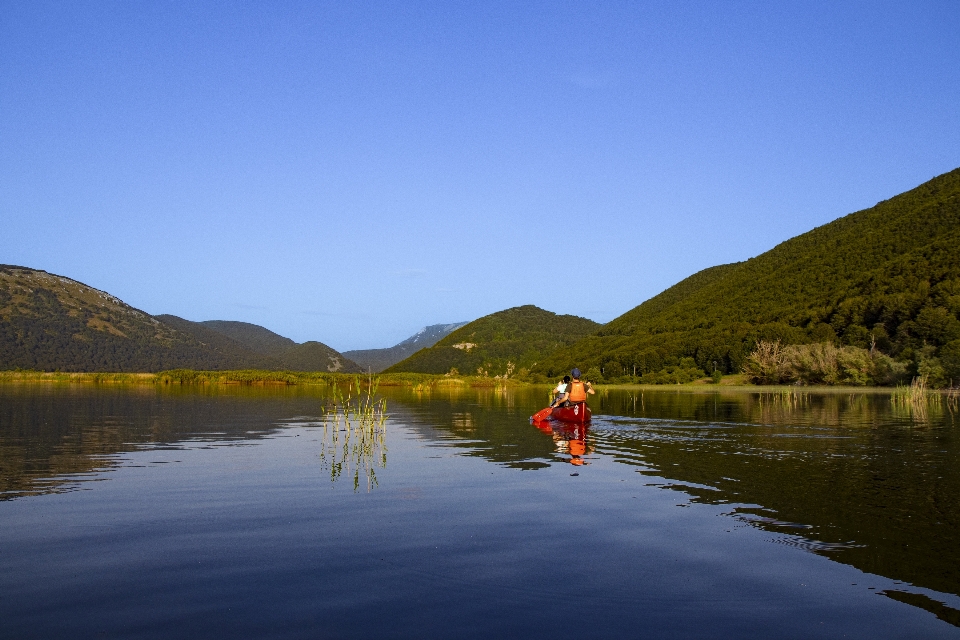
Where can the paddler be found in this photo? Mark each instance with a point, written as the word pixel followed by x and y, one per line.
pixel 559 391
pixel 576 391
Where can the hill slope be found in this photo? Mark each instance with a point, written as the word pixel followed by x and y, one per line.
pixel 500 343
pixel 260 348
pixel 237 354
pixel 377 360
pixel 252 336
pixel 887 276
pixel 50 322
pixel 316 356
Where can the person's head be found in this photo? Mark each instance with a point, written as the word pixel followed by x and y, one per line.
pixel 566 379
pixel 576 374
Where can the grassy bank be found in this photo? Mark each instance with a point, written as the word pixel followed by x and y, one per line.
pixel 251 377
pixel 737 382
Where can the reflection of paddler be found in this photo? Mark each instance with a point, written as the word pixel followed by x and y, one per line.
pixel 577 450
pixel 572 441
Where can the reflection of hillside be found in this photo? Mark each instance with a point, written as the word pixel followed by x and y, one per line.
pixel 885 500
pixel 51 435
pixel 860 483
pixel 841 474
pixel 490 423
pixel 795 406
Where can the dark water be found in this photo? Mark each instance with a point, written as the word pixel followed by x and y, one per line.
pixel 168 512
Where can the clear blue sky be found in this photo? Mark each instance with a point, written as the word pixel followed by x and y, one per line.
pixel 351 171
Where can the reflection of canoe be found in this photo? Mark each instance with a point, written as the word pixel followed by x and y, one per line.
pixel 579 412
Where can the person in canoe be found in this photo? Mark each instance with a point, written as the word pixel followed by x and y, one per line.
pixel 559 391
pixel 576 391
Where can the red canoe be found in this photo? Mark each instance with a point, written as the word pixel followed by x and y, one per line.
pixel 577 413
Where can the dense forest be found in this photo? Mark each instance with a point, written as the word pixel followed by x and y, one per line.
pixel 505 343
pixel 885 280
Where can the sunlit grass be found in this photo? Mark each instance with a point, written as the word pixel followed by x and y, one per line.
pixel 354 433
pixel 423 381
pixel 917 400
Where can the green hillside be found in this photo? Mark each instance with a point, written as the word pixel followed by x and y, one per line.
pixel 233 350
pixel 502 343
pixel 49 322
pixel 316 356
pixel 53 323
pixel 251 336
pixel 887 277
pixel 259 348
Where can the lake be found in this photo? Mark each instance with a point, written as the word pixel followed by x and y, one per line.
pixel 158 512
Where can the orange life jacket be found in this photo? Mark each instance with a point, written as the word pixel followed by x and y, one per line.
pixel 577 392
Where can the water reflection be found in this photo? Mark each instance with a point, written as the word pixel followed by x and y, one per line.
pixel 569 439
pixel 846 475
pixel 56 437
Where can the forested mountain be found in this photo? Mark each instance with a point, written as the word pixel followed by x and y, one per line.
pixel 316 356
pixel 886 278
pixel 49 322
pixel 260 348
pixel 252 336
pixel 376 360
pixel 505 342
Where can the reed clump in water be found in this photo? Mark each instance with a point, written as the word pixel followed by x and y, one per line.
pixel 354 433
pixel 915 394
pixel 917 399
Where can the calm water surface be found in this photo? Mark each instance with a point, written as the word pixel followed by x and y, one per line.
pixel 167 512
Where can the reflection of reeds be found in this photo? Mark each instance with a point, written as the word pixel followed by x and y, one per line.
pixel 952 398
pixel 916 400
pixel 791 398
pixel 781 404
pixel 354 434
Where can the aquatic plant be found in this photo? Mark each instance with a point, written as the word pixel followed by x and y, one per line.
pixel 354 433
pixel 917 400
pixel 915 394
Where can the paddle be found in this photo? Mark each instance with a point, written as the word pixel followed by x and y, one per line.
pixel 543 413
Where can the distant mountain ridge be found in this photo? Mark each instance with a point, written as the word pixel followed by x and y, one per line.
pixel 500 344
pixel 376 360
pixel 51 322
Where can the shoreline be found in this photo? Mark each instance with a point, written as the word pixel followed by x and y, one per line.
pixel 188 377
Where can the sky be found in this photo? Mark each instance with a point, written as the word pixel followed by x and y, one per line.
pixel 350 172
